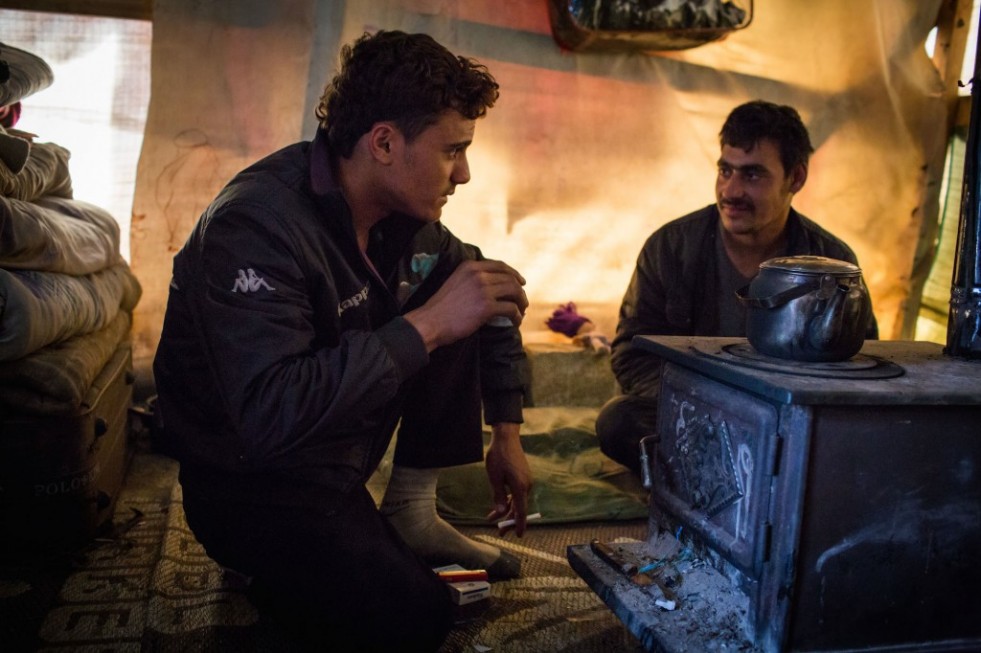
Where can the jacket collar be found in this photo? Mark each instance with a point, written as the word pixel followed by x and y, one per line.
pixel 389 236
pixel 321 179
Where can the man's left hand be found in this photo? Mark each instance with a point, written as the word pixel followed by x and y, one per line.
pixel 509 475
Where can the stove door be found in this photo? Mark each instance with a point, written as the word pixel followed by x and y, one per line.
pixel 712 464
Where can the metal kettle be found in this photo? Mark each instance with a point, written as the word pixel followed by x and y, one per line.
pixel 807 308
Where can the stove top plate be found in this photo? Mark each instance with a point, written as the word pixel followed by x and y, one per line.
pixel 860 366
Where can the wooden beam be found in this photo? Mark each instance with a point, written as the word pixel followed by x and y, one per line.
pixel 963 118
pixel 133 9
pixel 953 29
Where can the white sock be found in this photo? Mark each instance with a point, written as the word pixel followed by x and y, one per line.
pixel 410 506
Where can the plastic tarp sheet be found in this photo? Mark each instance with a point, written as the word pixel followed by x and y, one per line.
pixel 585 154
pixel 574 481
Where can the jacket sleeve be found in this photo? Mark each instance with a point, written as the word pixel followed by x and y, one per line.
pixel 504 371
pixel 645 311
pixel 504 374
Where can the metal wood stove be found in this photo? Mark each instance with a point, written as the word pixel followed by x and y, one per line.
pixel 806 507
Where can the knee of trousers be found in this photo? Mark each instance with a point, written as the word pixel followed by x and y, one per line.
pixel 622 422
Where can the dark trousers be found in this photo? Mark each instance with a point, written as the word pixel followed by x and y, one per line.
pixel 621 424
pixel 326 565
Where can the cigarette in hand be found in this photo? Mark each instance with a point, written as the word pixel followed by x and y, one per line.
pixel 510 522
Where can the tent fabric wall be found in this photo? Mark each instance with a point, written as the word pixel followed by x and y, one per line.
pixel 585 154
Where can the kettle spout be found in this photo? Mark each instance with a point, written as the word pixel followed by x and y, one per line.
pixel 824 330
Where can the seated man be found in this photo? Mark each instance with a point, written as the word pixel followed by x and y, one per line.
pixel 689 270
pixel 319 302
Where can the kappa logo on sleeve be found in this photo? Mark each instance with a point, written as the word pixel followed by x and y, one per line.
pixel 249 281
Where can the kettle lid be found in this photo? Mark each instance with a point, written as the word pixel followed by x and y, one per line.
pixel 807 264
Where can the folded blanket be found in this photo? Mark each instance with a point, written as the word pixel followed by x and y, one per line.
pixel 41 308
pixel 44 173
pixel 57 235
pixel 14 149
pixel 54 380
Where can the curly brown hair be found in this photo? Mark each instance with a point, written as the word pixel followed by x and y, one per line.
pixel 409 79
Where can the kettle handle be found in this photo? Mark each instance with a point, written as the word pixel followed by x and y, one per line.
pixel 778 299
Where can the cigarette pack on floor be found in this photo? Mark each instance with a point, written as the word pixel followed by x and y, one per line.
pixel 464 593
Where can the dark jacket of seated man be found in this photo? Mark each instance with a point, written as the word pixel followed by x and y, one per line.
pixel 683 284
pixel 689 270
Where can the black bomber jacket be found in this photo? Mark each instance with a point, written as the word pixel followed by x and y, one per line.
pixel 280 352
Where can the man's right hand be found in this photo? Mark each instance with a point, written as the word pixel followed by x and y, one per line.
pixel 476 292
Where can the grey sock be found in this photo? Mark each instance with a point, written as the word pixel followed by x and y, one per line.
pixel 410 506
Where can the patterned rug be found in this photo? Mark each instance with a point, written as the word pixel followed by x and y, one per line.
pixel 148 586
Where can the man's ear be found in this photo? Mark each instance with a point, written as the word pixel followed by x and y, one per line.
pixel 380 140
pixel 798 177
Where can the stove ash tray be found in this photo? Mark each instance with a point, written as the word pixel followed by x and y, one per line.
pixel 707 607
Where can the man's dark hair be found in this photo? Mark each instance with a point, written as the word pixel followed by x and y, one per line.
pixel 409 79
pixel 750 123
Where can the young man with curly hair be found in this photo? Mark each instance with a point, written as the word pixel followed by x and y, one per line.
pixel 318 304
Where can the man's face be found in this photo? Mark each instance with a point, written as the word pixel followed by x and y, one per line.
pixel 428 169
pixel 753 192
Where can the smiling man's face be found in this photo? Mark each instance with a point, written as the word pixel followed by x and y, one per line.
pixel 753 192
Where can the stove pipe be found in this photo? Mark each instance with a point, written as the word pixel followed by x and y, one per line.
pixel 964 320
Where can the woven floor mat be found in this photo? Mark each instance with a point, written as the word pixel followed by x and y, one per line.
pixel 148 586
pixel 549 608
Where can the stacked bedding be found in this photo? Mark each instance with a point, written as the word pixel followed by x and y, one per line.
pixel 66 293
pixel 66 301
